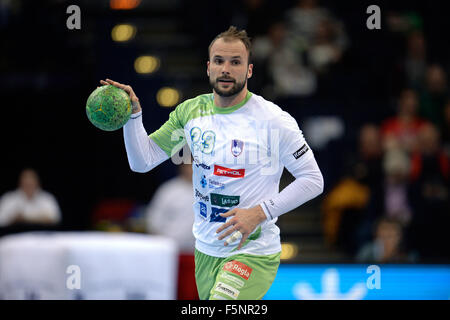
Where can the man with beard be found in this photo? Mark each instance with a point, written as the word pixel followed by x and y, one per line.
pixel 240 144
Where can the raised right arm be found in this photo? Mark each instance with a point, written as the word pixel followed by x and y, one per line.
pixel 146 152
pixel 142 152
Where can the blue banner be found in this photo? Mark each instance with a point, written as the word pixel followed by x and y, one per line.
pixel 361 282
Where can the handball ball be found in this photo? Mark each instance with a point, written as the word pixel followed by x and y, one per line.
pixel 108 108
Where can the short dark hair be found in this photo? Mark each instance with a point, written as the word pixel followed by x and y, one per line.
pixel 232 34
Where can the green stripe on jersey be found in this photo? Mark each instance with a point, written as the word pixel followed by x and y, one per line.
pixel 170 136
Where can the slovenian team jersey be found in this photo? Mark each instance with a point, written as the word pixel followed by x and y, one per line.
pixel 239 153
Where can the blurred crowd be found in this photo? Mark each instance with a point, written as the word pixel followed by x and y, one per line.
pixel 300 48
pixel 390 203
pixel 397 184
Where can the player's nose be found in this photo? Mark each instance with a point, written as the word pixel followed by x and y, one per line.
pixel 226 68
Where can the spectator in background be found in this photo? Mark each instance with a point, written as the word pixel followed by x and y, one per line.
pixel 325 53
pixel 387 245
pixel 167 216
pixel 415 63
pixel 265 49
pixel 434 95
pixel 369 171
pixel 292 74
pixel 29 204
pixel 400 131
pixel 355 202
pixel 390 193
pixel 286 73
pixel 430 176
pixel 294 50
pixel 304 20
pixel 368 168
pixel 396 165
pixel 315 40
pixel 268 44
pixel 328 45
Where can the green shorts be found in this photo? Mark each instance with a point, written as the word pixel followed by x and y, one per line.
pixel 239 277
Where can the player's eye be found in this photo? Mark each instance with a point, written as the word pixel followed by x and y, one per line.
pixel 218 61
pixel 235 62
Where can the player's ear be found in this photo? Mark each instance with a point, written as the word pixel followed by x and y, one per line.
pixel 207 68
pixel 250 71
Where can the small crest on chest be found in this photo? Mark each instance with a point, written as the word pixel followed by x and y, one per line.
pixel 236 147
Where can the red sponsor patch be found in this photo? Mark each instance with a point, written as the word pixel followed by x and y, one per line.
pixel 233 173
pixel 238 268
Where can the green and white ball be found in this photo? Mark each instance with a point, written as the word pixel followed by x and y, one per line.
pixel 108 108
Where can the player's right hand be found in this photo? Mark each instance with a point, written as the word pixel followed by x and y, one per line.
pixel 136 106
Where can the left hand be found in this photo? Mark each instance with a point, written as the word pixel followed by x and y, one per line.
pixel 244 220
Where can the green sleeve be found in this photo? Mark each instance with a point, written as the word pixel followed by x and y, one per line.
pixel 170 136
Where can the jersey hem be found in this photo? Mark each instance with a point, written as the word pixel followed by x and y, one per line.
pixel 233 253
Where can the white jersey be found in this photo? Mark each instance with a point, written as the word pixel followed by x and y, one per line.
pixel 239 154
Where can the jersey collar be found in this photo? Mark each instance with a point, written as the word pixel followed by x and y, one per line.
pixel 232 108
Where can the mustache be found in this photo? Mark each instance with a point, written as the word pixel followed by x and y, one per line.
pixel 225 78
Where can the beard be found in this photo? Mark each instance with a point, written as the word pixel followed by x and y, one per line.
pixel 235 89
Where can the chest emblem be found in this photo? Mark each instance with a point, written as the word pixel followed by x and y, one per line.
pixel 236 147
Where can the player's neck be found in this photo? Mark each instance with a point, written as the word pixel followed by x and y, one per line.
pixel 224 102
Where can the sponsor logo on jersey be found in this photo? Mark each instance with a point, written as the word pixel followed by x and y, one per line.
pixel 203 209
pixel 227 172
pixel 236 147
pixel 213 184
pixel 203 182
pixel 239 283
pixel 222 200
pixel 201 165
pixel 200 195
pixel 227 290
pixel 238 268
pixel 215 214
pixel 297 154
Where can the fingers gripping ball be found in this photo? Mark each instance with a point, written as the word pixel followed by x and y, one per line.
pixel 108 108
